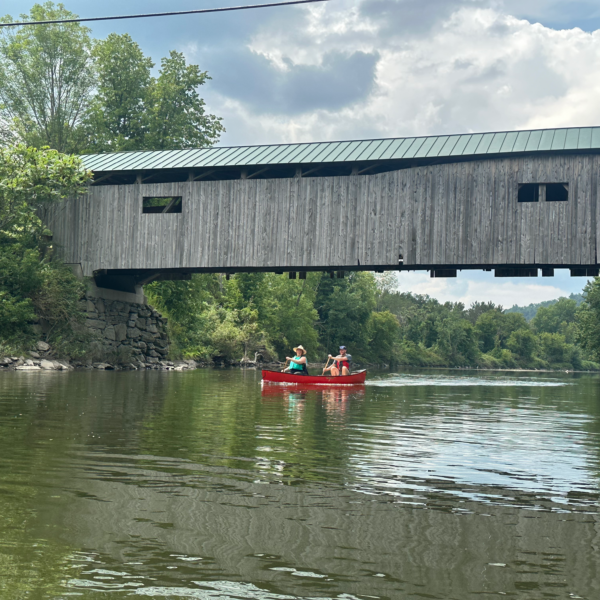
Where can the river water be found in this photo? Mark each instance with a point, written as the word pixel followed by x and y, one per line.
pixel 203 484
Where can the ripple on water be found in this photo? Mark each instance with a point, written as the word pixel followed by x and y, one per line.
pixel 396 380
pixel 202 485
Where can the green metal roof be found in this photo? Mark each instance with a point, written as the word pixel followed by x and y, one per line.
pixel 414 148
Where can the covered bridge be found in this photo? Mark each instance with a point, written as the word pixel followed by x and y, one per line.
pixel 516 202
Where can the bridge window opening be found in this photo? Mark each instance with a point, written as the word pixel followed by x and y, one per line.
pixel 154 204
pixel 529 192
pixel 557 192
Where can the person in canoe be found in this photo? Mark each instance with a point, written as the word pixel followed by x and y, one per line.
pixel 297 363
pixel 341 363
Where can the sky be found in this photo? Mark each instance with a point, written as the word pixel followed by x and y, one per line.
pixel 353 69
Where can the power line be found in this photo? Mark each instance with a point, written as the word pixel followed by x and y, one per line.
pixel 165 14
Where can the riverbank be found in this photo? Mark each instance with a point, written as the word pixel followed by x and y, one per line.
pixel 37 362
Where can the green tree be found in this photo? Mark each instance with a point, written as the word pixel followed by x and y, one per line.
pixel 191 309
pixel 31 179
pixel 116 117
pixel 292 317
pixel 479 308
pixel 32 284
pixel 176 113
pixel 487 327
pixel 46 78
pixel 509 323
pixel 522 343
pixel 588 319
pixel 344 307
pixel 384 330
pixel 554 318
pixel 457 341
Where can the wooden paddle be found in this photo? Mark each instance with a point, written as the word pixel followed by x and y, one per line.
pixel 285 365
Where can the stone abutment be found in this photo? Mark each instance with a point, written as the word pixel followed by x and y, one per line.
pixel 128 329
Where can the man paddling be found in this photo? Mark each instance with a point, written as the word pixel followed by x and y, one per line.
pixel 341 363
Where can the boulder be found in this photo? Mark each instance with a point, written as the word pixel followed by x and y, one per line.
pixel 133 333
pixel 100 305
pixel 43 346
pixel 95 324
pixel 34 354
pixel 47 365
pixel 147 337
pixel 109 333
pixel 103 367
pixel 28 368
pixel 152 360
pixel 120 332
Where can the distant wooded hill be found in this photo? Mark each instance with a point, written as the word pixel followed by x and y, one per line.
pixel 530 311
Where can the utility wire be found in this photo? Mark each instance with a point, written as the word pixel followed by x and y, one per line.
pixel 164 14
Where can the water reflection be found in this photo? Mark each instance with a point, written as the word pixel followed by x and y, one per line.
pixel 207 485
pixel 334 399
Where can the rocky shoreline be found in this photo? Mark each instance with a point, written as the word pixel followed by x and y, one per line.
pixel 42 359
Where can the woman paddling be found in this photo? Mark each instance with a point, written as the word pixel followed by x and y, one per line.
pixel 297 364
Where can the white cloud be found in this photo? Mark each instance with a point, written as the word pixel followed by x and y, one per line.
pixel 469 287
pixel 472 69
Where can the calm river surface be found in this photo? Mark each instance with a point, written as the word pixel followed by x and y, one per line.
pixel 202 484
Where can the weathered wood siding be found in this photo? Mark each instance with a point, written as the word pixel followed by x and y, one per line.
pixel 454 214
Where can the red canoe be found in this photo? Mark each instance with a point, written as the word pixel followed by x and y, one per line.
pixel 279 377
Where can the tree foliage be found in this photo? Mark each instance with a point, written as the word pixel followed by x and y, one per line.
pixel 62 89
pixel 266 313
pixel 177 117
pixel 32 284
pixel 30 179
pixel 116 116
pixel 588 319
pixel 46 78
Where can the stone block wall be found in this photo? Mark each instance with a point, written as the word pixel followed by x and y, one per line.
pixel 127 327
